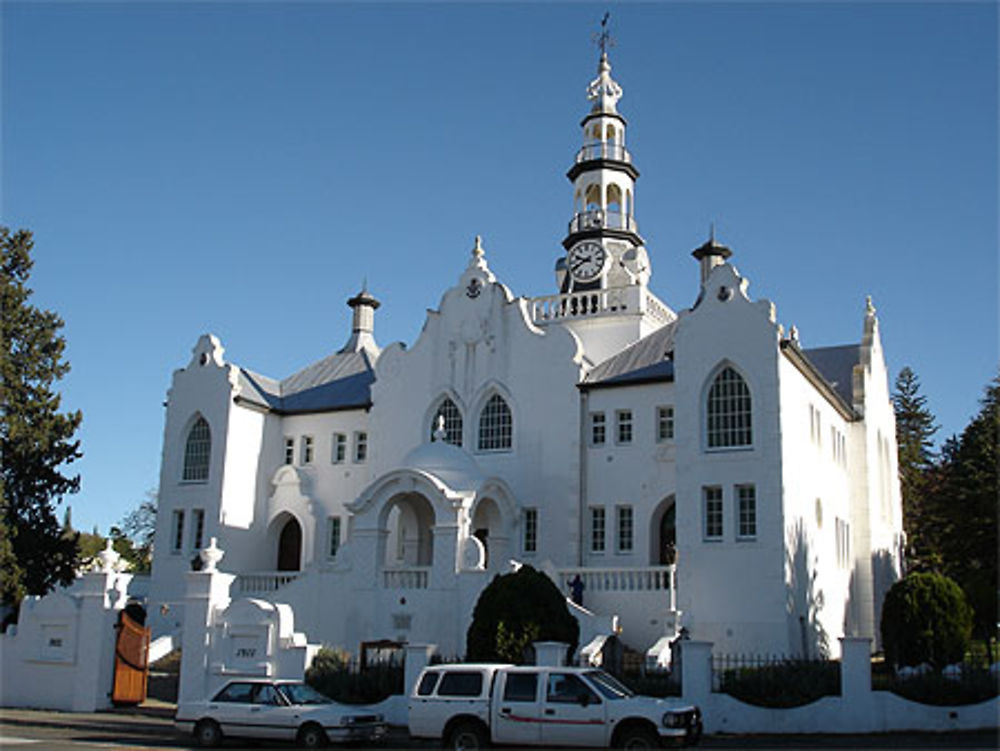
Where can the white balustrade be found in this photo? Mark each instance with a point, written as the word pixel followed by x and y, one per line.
pixel 578 305
pixel 406 578
pixel 640 579
pixel 658 310
pixel 260 582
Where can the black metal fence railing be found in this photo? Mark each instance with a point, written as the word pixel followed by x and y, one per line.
pixel 775 680
pixel 968 682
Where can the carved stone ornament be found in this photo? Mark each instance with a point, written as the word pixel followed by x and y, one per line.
pixel 474 288
pixel 211 556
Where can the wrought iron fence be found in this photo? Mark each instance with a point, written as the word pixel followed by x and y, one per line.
pixel 775 680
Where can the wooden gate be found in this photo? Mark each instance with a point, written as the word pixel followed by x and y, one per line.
pixel 131 661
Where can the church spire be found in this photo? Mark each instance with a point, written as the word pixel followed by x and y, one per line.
pixel 603 245
pixel 362 322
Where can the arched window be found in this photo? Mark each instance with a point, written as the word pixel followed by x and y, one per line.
pixel 452 422
pixel 614 202
pixel 197 452
pixel 495 425
pixel 610 134
pixel 728 411
pixel 592 198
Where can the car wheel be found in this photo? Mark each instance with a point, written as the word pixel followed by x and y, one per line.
pixel 637 738
pixel 312 736
pixel 468 736
pixel 207 733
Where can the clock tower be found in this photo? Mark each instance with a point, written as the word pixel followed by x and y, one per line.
pixel 603 278
pixel 603 245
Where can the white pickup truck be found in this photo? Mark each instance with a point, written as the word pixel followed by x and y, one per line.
pixel 471 706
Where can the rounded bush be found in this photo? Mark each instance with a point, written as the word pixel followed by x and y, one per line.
pixel 925 618
pixel 515 610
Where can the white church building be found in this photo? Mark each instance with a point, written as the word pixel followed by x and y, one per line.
pixel 693 466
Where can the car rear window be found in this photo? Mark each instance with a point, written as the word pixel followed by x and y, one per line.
pixel 238 692
pixel 427 683
pixel 461 684
pixel 521 687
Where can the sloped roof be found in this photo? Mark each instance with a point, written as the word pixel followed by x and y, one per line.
pixel 341 381
pixel 836 365
pixel 649 359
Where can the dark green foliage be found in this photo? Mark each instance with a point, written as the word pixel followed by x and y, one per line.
pixel 330 673
pixel 791 683
pixel 976 684
pixel 915 430
pixel 925 618
pixel 36 439
pixel 515 610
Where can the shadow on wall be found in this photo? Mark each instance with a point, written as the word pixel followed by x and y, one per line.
pixel 884 574
pixel 807 637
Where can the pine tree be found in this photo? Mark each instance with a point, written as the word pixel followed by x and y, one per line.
pixel 968 506
pixel 915 429
pixel 36 439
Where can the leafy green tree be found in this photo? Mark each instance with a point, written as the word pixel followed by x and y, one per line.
pixel 515 610
pixel 967 505
pixel 36 439
pixel 133 535
pixel 915 429
pixel 925 618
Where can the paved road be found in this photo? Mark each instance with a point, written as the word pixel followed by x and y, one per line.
pixel 64 731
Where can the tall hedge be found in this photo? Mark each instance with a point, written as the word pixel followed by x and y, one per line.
pixel 515 610
pixel 925 618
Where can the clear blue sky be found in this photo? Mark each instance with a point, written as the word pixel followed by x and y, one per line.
pixel 241 168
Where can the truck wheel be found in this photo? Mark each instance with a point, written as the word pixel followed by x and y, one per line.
pixel 207 733
pixel 312 736
pixel 636 738
pixel 467 736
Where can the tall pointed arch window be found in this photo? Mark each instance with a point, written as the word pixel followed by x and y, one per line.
pixel 452 422
pixel 728 411
pixel 197 452
pixel 495 425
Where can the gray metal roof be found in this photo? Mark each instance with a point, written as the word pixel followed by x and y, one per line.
pixel 836 365
pixel 649 359
pixel 341 381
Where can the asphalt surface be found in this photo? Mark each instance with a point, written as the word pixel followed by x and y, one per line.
pixel 151 727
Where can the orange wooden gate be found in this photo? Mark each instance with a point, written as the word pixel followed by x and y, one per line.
pixel 131 662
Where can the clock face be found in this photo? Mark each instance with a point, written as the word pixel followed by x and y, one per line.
pixel 586 261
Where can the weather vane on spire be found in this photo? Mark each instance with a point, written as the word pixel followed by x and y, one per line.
pixel 603 39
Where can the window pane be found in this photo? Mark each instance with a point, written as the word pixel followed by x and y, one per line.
pixel 625 528
pixel 495 425
pixel 597 529
pixel 597 428
pixel 712 512
pixel 461 684
pixel 530 530
pixel 728 411
pixel 197 452
pixel 452 422
pixel 748 510
pixel 521 687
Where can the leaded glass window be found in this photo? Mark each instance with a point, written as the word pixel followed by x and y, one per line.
pixel 728 411
pixel 452 422
pixel 197 452
pixel 495 425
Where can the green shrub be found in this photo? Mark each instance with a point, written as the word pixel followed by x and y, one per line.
pixel 331 674
pixel 515 610
pixel 925 618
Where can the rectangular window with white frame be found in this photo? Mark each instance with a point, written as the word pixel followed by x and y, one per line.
pixel 289 450
pixel 665 423
pixel 177 532
pixel 625 528
pixel 360 447
pixel 338 451
pixel 306 453
pixel 598 528
pixel 623 426
pixel 746 497
pixel 197 529
pixel 598 428
pixel 333 539
pixel 712 512
pixel 529 539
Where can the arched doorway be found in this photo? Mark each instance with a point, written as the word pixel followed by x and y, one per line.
pixel 408 524
pixel 663 533
pixel 290 546
pixel 487 525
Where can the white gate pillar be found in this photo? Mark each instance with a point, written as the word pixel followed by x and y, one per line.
pixel 207 592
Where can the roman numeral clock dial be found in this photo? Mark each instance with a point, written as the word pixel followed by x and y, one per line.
pixel 586 261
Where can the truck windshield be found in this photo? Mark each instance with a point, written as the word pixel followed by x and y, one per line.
pixel 608 685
